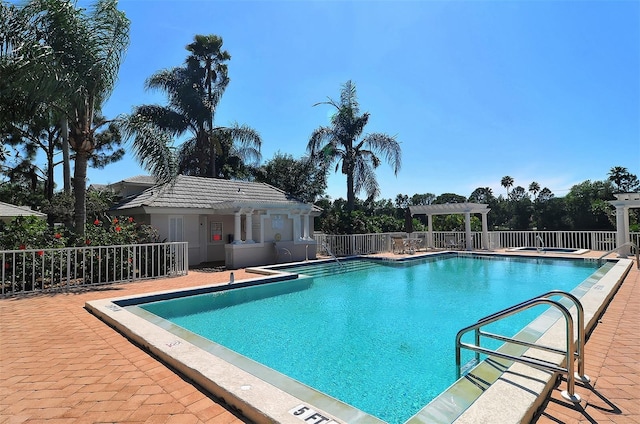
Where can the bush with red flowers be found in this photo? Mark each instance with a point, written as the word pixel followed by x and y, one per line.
pixel 29 232
pixel 39 266
pixel 118 231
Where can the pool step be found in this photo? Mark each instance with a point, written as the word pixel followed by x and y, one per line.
pixel 329 268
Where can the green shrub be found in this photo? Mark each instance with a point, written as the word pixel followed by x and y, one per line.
pixel 98 262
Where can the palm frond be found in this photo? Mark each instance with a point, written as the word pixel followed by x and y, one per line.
pixel 319 137
pixel 386 146
pixel 349 98
pixel 110 37
pixel 151 146
pixel 165 118
pixel 364 178
pixel 188 163
pixel 249 141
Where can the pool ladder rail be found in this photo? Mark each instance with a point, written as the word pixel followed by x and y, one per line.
pixel 629 243
pixel 335 258
pixel 574 349
pixel 542 246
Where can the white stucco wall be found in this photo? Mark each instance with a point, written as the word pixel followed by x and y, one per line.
pixel 202 248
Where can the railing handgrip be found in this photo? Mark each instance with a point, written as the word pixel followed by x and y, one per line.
pixel 570 352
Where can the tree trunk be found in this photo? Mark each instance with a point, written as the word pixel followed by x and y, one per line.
pixel 50 177
pixel 212 158
pixel 66 161
pixel 212 155
pixel 50 165
pixel 350 194
pixel 80 193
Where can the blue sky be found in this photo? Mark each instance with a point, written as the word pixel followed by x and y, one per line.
pixel 545 91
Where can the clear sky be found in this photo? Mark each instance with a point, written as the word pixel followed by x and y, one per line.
pixel 545 91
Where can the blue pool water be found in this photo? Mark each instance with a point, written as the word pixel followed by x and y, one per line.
pixel 376 335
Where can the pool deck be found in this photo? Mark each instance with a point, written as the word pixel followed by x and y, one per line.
pixel 59 363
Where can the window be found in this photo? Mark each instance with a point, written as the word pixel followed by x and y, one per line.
pixel 277 222
pixel 176 228
pixel 216 232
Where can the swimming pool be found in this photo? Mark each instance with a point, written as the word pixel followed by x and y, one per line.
pixel 266 396
pixel 377 335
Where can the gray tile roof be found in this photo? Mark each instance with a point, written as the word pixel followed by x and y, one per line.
pixel 144 179
pixel 207 193
pixel 8 210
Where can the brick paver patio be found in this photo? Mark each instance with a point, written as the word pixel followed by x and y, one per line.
pixel 60 364
pixel 612 361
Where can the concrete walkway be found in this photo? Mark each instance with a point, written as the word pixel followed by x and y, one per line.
pixel 60 364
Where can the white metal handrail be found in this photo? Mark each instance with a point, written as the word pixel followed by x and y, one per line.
pixel 541 248
pixel 332 255
pixel 629 243
pixel 571 353
pixel 34 270
pixel 283 249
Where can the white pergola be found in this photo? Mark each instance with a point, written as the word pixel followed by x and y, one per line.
pixel 456 208
pixel 624 202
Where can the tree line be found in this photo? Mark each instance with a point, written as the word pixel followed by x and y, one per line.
pixel 585 207
pixel 59 64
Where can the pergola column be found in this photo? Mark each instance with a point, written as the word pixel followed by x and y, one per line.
pixel 485 231
pixel 624 202
pixel 430 229
pixel 622 234
pixel 467 230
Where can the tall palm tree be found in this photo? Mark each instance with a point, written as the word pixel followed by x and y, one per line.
pixel 506 182
pixel 230 153
pixel 355 155
pixel 68 59
pixel 623 179
pixel 194 91
pixel 534 188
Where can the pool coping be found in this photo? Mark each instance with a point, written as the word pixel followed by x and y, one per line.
pixel 207 363
pixel 545 250
pixel 263 402
pixel 519 388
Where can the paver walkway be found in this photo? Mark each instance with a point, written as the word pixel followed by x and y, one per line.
pixel 60 364
pixel 612 361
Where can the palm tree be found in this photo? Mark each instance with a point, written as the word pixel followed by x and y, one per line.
pixel 534 188
pixel 229 154
pixel 357 157
pixel 482 195
pixel 506 182
pixel 67 59
pixel 194 91
pixel 623 179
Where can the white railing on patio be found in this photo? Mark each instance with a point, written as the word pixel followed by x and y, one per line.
pixel 356 244
pixel 34 270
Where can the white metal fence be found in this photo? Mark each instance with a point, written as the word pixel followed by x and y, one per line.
pixel 356 244
pixel 33 270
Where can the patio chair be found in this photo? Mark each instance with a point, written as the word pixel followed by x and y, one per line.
pixel 420 243
pixel 452 243
pixel 397 245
